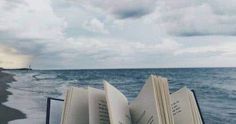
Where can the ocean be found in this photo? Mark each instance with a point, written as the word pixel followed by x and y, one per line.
pixel 215 88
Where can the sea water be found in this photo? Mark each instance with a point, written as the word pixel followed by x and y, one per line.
pixel 215 88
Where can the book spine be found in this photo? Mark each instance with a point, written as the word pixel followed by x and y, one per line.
pixel 198 106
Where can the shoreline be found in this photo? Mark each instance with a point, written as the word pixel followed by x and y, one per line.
pixel 6 113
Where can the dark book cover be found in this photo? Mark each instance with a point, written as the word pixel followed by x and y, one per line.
pixel 198 106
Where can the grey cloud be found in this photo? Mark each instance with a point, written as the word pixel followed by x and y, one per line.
pixel 133 9
pixel 201 33
pixel 132 13
pixel 181 18
pixel 27 46
pixel 123 9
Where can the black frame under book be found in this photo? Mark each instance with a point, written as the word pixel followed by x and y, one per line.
pixel 48 108
pixel 56 99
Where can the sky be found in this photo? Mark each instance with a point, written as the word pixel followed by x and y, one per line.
pixel 87 34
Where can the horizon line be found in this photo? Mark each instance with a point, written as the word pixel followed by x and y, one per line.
pixel 121 68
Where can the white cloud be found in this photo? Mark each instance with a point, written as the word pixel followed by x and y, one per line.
pixel 112 48
pixel 194 17
pixel 221 49
pixel 31 20
pixel 106 52
pixel 95 25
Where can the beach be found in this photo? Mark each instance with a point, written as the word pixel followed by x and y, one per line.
pixel 6 113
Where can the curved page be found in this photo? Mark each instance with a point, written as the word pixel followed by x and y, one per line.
pixel 117 105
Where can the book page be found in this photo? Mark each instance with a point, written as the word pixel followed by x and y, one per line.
pixel 160 98
pixel 76 107
pixel 144 109
pixel 170 115
pixel 98 113
pixel 117 105
pixel 163 98
pixel 55 111
pixel 181 107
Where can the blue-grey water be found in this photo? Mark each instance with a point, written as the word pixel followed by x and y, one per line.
pixel 215 88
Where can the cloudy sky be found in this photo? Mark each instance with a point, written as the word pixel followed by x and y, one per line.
pixel 75 34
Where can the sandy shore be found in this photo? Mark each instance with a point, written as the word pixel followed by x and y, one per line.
pixel 6 113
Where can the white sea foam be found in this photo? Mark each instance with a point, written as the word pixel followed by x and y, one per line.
pixel 26 102
pixel 29 95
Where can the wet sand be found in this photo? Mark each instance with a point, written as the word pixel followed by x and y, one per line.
pixel 6 113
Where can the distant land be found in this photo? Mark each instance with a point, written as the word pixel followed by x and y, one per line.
pixel 15 69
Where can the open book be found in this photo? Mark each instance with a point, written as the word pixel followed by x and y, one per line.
pixel 153 105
